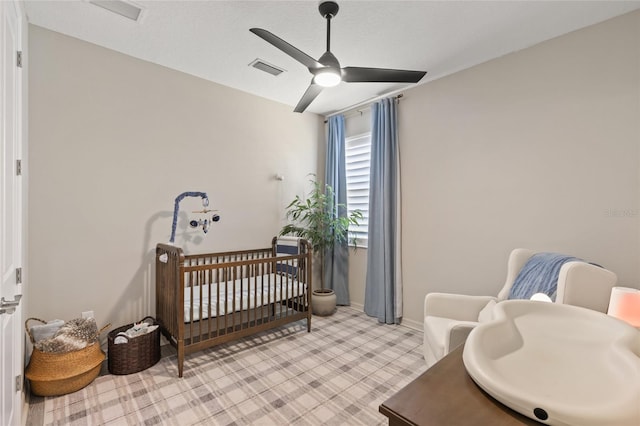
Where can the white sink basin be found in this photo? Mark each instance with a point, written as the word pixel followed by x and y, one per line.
pixel 558 364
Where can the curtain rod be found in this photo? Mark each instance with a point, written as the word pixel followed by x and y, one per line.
pixel 362 106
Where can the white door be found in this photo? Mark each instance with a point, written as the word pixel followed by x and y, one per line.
pixel 10 215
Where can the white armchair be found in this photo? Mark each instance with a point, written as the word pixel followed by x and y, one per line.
pixel 449 318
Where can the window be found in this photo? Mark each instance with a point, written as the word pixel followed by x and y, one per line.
pixel 357 160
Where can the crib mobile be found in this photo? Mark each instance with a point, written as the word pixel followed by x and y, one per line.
pixel 194 223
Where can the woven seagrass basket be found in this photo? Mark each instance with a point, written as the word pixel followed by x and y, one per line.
pixel 52 374
pixel 137 354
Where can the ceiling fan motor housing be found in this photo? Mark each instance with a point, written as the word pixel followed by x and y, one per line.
pixel 329 60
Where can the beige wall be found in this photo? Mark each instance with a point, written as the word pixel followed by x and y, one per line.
pixel 536 149
pixel 113 141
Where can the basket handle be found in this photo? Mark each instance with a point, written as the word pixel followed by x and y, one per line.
pixel 148 316
pixel 102 330
pixel 26 327
pixel 121 334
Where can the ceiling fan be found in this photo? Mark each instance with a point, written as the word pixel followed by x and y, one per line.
pixel 326 70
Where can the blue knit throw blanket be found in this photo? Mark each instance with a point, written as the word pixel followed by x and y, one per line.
pixel 539 275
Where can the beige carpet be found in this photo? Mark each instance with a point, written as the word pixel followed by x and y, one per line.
pixel 337 375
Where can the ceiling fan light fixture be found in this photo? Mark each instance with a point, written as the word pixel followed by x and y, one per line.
pixel 327 77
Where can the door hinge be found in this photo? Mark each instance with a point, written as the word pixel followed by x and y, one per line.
pixel 19 167
pixel 19 58
pixel 19 382
pixel 18 275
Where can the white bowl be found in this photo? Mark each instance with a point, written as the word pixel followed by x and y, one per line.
pixel 558 364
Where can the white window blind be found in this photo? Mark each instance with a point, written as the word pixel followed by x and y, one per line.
pixel 358 160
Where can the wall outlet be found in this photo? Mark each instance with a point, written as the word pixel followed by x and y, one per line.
pixel 87 314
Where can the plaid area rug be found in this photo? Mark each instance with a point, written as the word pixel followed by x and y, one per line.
pixel 336 375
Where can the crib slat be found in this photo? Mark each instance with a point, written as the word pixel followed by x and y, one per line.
pixel 218 286
pixel 225 301
pixel 243 274
pixel 255 294
pixel 262 290
pixel 234 272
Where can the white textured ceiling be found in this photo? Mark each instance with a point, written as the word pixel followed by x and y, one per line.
pixel 211 39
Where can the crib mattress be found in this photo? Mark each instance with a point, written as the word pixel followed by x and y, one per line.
pixel 201 302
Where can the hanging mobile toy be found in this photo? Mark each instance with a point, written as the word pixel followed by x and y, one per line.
pixel 205 223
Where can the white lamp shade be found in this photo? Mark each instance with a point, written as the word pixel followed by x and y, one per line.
pixel 625 305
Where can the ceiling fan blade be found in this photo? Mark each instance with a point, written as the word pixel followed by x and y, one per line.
pixel 290 50
pixel 312 92
pixel 380 75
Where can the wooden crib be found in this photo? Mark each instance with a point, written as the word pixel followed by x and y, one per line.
pixel 207 299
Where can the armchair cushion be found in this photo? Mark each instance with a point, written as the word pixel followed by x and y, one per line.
pixel 446 334
pixel 486 314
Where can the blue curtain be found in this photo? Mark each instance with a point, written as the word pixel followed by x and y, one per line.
pixel 383 287
pixel 336 260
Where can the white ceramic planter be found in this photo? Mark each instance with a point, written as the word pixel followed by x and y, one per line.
pixel 323 302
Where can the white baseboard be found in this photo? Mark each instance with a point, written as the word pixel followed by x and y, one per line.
pixel 356 306
pixel 414 325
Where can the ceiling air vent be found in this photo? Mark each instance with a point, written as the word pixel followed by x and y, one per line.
pixel 122 8
pixel 266 67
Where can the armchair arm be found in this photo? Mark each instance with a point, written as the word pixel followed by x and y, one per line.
pixel 458 335
pixel 586 285
pixel 460 307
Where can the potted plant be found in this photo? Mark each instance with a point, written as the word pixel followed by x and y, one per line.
pixel 316 220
